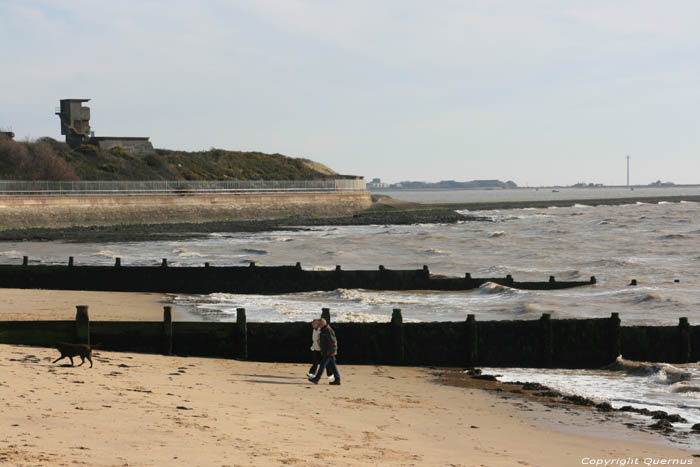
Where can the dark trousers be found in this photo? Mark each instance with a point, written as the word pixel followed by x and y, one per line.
pixel 315 361
pixel 328 364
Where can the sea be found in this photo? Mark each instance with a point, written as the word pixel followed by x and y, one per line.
pixel 658 244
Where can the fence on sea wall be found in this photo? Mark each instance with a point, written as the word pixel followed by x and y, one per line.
pixel 543 343
pixel 243 279
pixel 117 187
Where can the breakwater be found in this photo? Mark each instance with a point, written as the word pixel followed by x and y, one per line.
pixel 244 279
pixel 542 343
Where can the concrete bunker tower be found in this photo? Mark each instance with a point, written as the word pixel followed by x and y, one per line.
pixel 75 125
pixel 75 121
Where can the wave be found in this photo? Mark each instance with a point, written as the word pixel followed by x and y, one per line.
pixel 681 388
pixel 645 298
pixel 185 253
pixel 435 251
pixel 663 202
pixel 582 206
pixel 323 268
pixel 13 254
pixel 673 237
pixel 106 254
pixel 660 373
pixel 493 288
pixel 531 309
pixel 253 251
pixel 498 233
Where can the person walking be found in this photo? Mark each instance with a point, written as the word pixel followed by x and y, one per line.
pixel 329 350
pixel 316 357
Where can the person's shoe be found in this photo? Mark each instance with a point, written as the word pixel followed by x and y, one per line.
pixel 334 383
pixel 310 375
pixel 312 380
pixel 331 377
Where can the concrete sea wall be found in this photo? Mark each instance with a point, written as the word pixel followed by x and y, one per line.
pixel 543 343
pixel 70 210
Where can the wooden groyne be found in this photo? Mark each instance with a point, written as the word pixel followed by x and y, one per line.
pixel 250 279
pixel 542 343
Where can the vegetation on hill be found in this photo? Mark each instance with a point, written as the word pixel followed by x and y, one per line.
pixel 48 159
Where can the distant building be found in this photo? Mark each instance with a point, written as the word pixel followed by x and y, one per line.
pixel 75 125
pixel 7 133
pixel 377 183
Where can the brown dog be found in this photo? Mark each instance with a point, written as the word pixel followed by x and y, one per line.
pixel 75 350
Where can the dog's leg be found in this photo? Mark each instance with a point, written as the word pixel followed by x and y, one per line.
pixel 82 362
pixel 71 361
pixel 62 356
pixel 88 357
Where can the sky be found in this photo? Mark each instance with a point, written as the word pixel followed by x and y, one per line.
pixel 538 92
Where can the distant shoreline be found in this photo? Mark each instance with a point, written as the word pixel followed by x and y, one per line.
pixel 542 204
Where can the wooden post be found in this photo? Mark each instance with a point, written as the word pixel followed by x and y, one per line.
pixel 82 325
pixel 471 341
pixel 685 340
pixel 509 280
pixel 164 263
pixel 338 268
pixel 468 276
pixel 242 329
pixel 70 261
pixel 326 314
pixel 615 339
pixel 593 280
pixel 25 260
pixel 298 265
pixel 398 352
pixel 547 340
pixel 206 265
pixel 117 262
pixel 167 330
pixel 552 279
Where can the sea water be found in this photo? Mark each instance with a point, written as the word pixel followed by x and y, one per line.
pixel 656 244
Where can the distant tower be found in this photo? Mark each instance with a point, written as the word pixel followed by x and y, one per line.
pixel 75 121
pixel 628 171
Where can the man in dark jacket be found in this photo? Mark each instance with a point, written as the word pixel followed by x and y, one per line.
pixel 329 349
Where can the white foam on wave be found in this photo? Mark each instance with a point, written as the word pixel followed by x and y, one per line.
pixel 435 251
pixel 661 373
pixel 185 253
pixel 498 233
pixel 582 205
pixel 493 288
pixel 13 254
pixel 106 254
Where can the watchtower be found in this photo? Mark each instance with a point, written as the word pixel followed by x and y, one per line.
pixel 75 121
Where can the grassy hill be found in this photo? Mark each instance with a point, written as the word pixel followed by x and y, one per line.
pixel 48 159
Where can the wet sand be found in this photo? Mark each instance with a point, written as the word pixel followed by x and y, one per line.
pixel 151 410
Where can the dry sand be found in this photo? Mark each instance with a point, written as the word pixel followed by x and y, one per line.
pixel 29 305
pixel 151 410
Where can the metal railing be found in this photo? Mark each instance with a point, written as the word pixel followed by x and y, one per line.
pixel 55 188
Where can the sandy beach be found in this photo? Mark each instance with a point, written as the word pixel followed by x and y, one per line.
pixel 152 410
pixel 29 305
